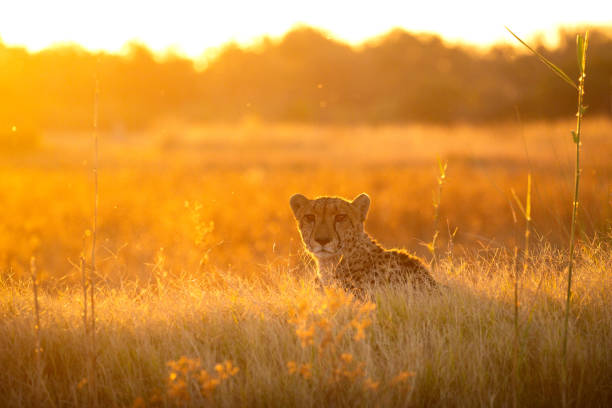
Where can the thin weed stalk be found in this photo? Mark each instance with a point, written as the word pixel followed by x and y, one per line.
pixel 92 386
pixel 451 243
pixel 84 286
pixel 526 211
pixel 38 382
pixel 516 333
pixel 582 42
pixel 441 177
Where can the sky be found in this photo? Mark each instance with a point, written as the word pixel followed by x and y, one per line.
pixel 191 27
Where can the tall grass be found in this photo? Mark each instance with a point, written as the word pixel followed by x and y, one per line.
pixel 90 327
pixel 526 211
pixel 454 347
pixel 437 201
pixel 38 383
pixel 147 186
pixel 582 42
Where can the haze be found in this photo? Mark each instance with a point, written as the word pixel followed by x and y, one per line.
pixel 190 27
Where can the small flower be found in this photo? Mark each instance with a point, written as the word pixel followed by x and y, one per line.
pixel 306 335
pixel 402 377
pixel 221 371
pixel 360 325
pixel 230 369
pixel 203 376
pixel 368 384
pixel 178 390
pixel 306 371
pixel 82 383
pixel 209 386
pixel 347 358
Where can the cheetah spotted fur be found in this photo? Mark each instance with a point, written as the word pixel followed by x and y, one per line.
pixel 332 230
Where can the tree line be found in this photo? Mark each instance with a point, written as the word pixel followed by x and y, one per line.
pixel 302 77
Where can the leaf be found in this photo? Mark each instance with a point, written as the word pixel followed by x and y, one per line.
pixel 581 110
pixel 528 201
pixel 442 168
pixel 526 211
pixel 582 42
pixel 518 202
pixel 579 51
pixel 574 136
pixel 512 210
pixel 546 62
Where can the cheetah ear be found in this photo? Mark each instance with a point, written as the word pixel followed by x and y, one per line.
pixel 362 204
pixel 297 201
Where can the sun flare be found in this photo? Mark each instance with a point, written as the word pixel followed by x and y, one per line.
pixel 190 27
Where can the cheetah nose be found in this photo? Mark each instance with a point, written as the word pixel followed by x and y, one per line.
pixel 322 240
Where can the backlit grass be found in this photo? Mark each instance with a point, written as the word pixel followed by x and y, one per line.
pixel 218 339
pixel 204 296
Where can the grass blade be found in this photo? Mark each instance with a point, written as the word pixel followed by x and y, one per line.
pixel 582 43
pixel 549 64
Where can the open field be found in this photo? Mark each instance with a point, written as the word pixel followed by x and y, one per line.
pixel 218 196
pixel 199 256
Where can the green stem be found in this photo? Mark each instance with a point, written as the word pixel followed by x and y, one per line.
pixel 516 334
pixel 93 390
pixel 573 228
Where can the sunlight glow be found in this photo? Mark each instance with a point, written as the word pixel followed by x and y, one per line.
pixel 190 27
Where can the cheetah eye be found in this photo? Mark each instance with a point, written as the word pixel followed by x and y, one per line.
pixel 340 217
pixel 309 218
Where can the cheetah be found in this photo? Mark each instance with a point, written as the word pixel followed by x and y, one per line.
pixel 332 230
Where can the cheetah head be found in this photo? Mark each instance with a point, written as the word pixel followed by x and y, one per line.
pixel 329 225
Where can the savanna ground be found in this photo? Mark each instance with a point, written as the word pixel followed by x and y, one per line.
pixel 199 263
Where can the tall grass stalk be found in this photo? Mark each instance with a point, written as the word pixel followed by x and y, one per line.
pixel 38 380
pixel 581 49
pixel 526 210
pixel 86 339
pixel 515 376
pixel 436 204
pixel 84 286
pixel 92 386
pixel 582 44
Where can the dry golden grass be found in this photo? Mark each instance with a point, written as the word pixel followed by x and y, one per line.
pixel 286 344
pixel 204 295
pixel 217 196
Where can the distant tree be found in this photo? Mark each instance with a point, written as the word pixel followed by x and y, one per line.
pixel 305 76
